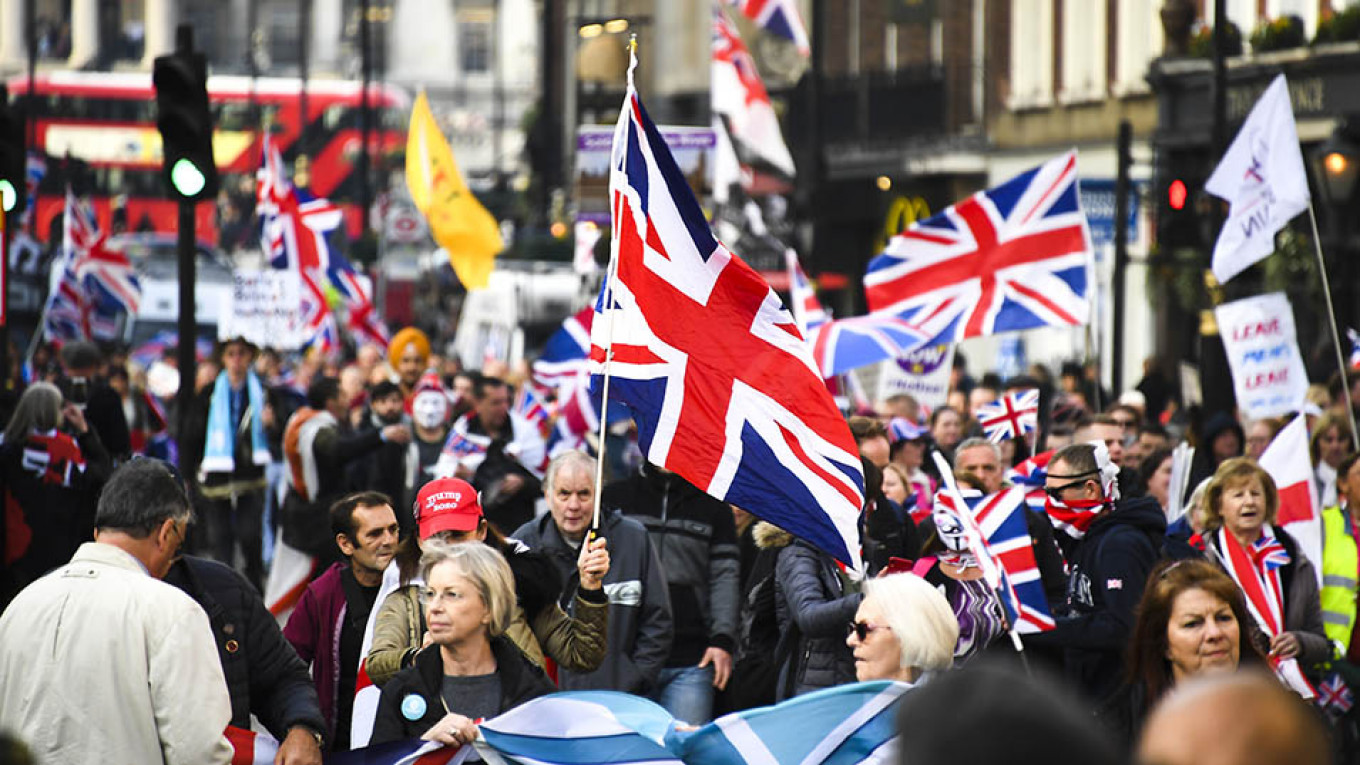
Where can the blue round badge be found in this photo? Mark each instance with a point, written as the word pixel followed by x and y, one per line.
pixel 413 707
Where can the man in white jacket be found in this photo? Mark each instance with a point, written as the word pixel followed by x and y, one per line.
pixel 102 662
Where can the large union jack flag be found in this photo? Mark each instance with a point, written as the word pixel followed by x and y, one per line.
pixel 999 538
pixel 1013 257
pixel 779 17
pixel 711 363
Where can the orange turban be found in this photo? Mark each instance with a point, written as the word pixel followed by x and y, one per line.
pixel 407 336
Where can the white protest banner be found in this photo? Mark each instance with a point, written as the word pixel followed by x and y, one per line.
pixel 923 374
pixel 264 307
pixel 1263 351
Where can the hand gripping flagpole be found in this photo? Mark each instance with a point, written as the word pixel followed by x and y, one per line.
pixel 1331 319
pixel 609 306
pixel 975 541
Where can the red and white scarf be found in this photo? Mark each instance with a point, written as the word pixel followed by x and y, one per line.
pixel 1076 516
pixel 1256 569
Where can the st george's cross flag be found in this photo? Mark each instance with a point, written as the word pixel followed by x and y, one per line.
pixel 716 373
pixel 739 94
pixel 1011 416
pixel 1300 513
pixel 1261 177
pixel 1017 256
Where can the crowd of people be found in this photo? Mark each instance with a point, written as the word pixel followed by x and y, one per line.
pixel 457 567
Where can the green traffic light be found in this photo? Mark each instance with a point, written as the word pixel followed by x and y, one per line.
pixel 8 196
pixel 187 179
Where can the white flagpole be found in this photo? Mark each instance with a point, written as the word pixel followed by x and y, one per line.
pixel 1331 320
pixel 609 333
pixel 604 389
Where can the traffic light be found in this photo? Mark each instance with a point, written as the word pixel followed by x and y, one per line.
pixel 12 158
pixel 185 124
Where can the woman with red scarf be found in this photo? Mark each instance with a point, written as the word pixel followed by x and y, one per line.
pixel 1277 579
pixel 51 484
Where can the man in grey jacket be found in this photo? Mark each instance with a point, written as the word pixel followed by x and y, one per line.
pixel 640 624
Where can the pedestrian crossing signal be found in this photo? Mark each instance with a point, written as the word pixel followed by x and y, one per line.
pixel 1177 194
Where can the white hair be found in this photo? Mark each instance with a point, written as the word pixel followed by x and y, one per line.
pixel 919 616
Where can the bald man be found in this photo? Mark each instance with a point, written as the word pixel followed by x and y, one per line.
pixel 1247 718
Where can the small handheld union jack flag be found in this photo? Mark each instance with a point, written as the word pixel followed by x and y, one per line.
pixel 1334 696
pixel 1270 553
pixel 1011 416
pixel 1355 347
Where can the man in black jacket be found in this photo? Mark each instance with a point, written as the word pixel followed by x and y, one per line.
pixel 1117 544
pixel 696 540
pixel 264 675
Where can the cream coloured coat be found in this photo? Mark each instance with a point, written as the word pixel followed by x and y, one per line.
pixel 100 663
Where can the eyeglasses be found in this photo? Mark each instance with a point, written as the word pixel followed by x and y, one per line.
pixel 429 597
pixel 1126 424
pixel 861 630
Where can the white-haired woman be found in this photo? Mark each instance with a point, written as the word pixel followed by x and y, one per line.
pixel 477 672
pixel 903 629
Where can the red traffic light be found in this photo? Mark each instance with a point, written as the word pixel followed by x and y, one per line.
pixel 1176 194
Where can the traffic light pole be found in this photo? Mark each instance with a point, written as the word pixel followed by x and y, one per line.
pixel 1121 253
pixel 187 326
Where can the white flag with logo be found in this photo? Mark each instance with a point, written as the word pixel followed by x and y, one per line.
pixel 1286 460
pixel 1262 178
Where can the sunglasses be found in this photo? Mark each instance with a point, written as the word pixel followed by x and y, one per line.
pixel 861 630
pixel 1055 492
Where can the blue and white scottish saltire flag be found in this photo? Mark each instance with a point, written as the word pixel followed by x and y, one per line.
pixel 845 344
pixel 580 727
pixel 852 724
pixel 719 379
pixel 1017 256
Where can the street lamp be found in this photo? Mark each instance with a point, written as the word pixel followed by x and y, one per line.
pixel 1336 164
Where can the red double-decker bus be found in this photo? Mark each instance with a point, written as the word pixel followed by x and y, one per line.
pixel 107 121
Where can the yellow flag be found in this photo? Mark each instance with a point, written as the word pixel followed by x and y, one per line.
pixel 457 220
